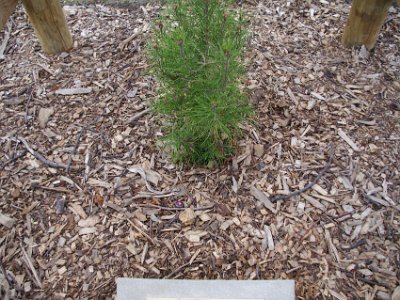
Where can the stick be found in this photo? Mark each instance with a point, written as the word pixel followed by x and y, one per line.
pixel 139 115
pixel 12 159
pixel 78 140
pixel 311 184
pixel 29 263
pixel 5 274
pixel 47 188
pixel 125 42
pixel 166 194
pixel 40 157
pixel 27 104
pixel 5 41
pixel 182 267
pixel 173 208
pixel 11 282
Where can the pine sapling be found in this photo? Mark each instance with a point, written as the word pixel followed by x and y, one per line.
pixel 197 56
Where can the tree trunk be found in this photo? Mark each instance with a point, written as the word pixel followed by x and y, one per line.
pixel 7 7
pixel 49 23
pixel 364 23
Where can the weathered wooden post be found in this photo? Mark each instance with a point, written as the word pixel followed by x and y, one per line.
pixel 7 7
pixel 365 21
pixel 48 20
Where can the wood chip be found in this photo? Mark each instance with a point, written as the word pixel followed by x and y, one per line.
pixel 73 91
pixel 194 236
pixel 87 230
pixel 260 196
pixel 124 196
pixel 44 115
pixel 314 202
pixel 346 138
pixel 6 220
pixel 89 222
pixel 270 240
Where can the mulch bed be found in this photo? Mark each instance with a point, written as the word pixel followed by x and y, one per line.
pixel 88 193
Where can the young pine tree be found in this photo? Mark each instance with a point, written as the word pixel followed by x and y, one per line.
pixel 197 55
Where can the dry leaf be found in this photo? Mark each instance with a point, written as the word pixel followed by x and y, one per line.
pixel 187 216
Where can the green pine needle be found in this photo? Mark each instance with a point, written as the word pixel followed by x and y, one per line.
pixel 197 55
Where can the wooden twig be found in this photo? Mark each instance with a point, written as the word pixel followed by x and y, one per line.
pixel 182 267
pixel 173 208
pixel 139 115
pixel 12 159
pixel 52 189
pixel 311 184
pixel 166 194
pixel 30 91
pixel 5 41
pixel 125 42
pixel 12 283
pixel 40 157
pixel 78 141
pixel 3 270
pixel 29 263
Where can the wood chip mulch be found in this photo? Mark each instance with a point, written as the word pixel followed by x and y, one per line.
pixel 88 194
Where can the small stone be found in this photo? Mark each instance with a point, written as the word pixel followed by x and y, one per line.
pixel 60 205
pixel 364 53
pixel 132 93
pixel 61 242
pixel 261 165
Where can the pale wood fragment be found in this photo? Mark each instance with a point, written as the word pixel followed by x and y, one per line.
pixel 314 202
pixel 260 196
pixel 348 140
pixel 74 91
pixel 6 220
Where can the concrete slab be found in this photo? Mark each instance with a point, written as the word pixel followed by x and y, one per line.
pixel 145 289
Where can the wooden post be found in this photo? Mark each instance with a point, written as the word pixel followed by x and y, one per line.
pixel 7 7
pixel 49 23
pixel 364 23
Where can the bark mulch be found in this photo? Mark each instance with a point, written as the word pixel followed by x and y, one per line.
pixel 88 193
